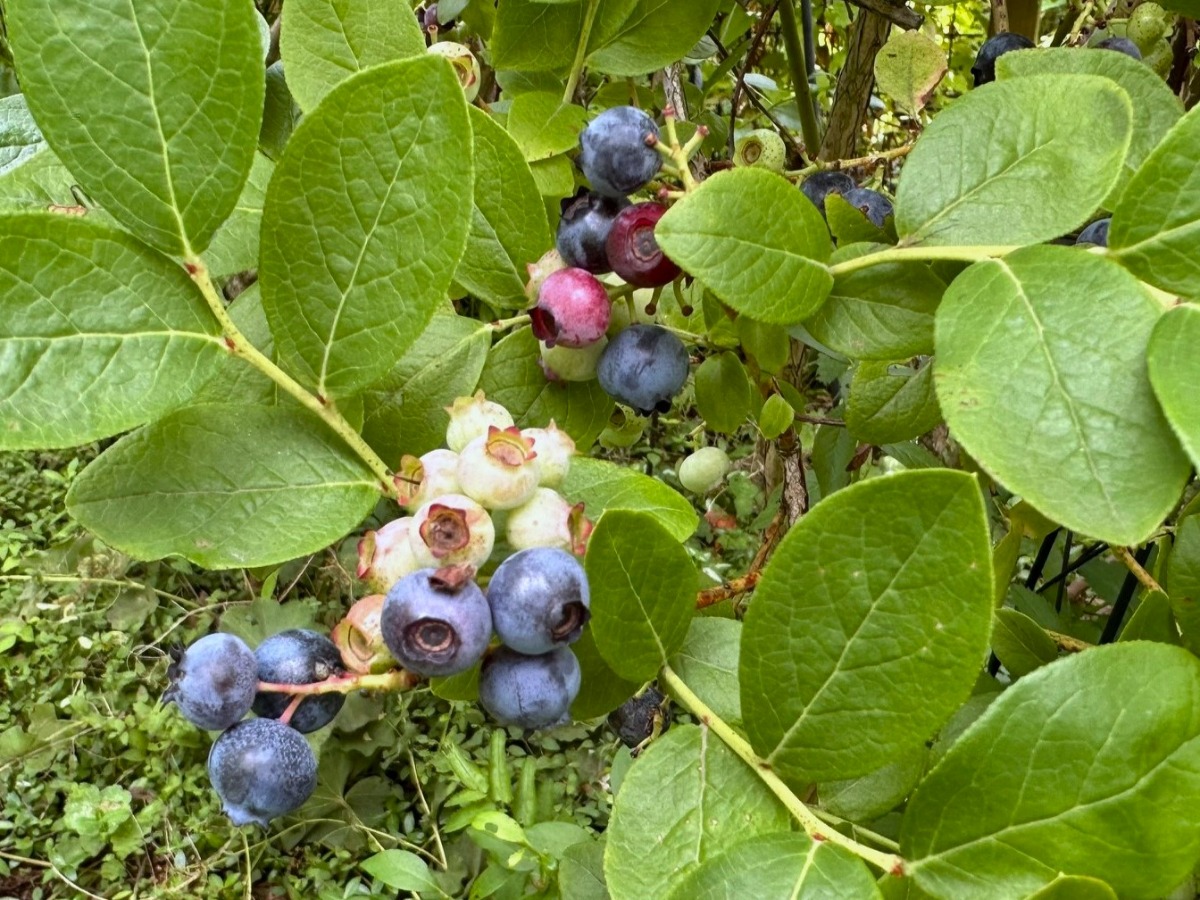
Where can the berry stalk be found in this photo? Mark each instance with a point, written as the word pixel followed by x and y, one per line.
pixel 396 680
pixel 812 825
pixel 900 254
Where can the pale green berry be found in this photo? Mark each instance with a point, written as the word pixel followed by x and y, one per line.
pixel 761 149
pixel 703 470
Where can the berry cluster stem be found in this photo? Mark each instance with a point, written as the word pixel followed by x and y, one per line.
pixel 869 160
pixel 239 345
pixel 812 825
pixel 396 680
pixel 675 154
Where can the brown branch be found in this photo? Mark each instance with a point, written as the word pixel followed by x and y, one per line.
pixel 999 16
pixel 1147 580
pixel 901 16
pixel 727 591
pixel 852 97
pixel 1067 643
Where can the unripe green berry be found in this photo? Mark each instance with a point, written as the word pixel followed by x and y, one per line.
pixel 703 470
pixel 761 149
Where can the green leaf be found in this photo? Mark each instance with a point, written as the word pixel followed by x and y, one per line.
pixel 683 801
pixel 881 312
pixel 401 870
pixel 542 125
pixel 723 393
pixel 779 867
pixel 153 106
pixel 755 242
pixel 508 220
pixel 1174 372
pixel 1021 643
pixel 281 114
pixel 1074 887
pixel 1089 766
pixel 602 486
pixel 365 221
pixel 989 168
pixel 581 871
pixel 602 690
pixel 708 663
pixel 98 332
pixel 889 403
pixel 1056 409
pixel 643 587
pixel 234 247
pixel 406 412
pixel 536 37
pixel 324 42
pixel 20 139
pixel 261 618
pixel 1152 620
pixel 513 378
pixel 908 69
pixel 654 35
pixel 776 417
pixel 1155 108
pixel 885 639
pixel 869 796
pixel 225 486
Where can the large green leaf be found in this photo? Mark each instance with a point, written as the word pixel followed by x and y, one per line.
pixel 542 125
pixel 602 485
pixel 1059 410
pixel 643 586
pixel 406 412
pixel 708 663
pixel 887 406
pixel 1021 643
pixel 1175 371
pixel 882 312
pixel 723 393
pixel 868 625
pixel 790 866
pixel 20 139
pixel 98 333
pixel 234 247
pixel 532 36
pixel 1155 108
pixel 755 241
pixel 1183 580
pixel 870 796
pixel 990 168
pixel 515 380
pixel 685 800
pixel 508 220
pixel 655 34
pixel 602 690
pixel 225 486
pixel 365 221
pixel 1156 226
pixel 154 105
pixel 324 42
pixel 1088 766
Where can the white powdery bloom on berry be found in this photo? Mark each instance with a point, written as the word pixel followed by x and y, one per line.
pixel 419 480
pixel 554 449
pixel 452 530
pixel 499 470
pixel 548 520
pixel 385 556
pixel 471 417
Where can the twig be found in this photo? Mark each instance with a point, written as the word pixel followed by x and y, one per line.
pixel 872 160
pixel 1067 643
pixel 999 16
pixel 585 34
pixel 728 590
pixel 901 16
pixel 1124 596
pixel 795 57
pixel 1135 567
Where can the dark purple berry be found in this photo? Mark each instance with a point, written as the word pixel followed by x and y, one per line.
pixel 529 691
pixel 436 621
pixel 993 48
pixel 298 656
pixel 572 309
pixel 632 250
pixel 214 681
pixel 644 367
pixel 614 155
pixel 1096 233
pixel 819 185
pixel 1120 45
pixel 872 204
pixel 261 769
pixel 539 599
pixel 637 719
pixel 583 229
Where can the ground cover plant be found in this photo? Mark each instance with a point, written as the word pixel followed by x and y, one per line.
pixel 429 402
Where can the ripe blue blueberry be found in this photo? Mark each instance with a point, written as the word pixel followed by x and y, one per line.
pixel 213 682
pixel 873 204
pixel 984 70
pixel 614 155
pixel 436 621
pixel 644 366
pixel 539 599
pixel 586 221
pixel 298 656
pixel 819 185
pixel 1096 233
pixel 261 769
pixel 529 691
pixel 1120 45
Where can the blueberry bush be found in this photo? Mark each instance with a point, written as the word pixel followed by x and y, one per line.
pixel 807 393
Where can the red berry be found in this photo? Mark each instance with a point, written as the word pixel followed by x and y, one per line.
pixel 572 309
pixel 633 252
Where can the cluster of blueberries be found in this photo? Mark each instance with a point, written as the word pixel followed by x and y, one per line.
pixel 434 620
